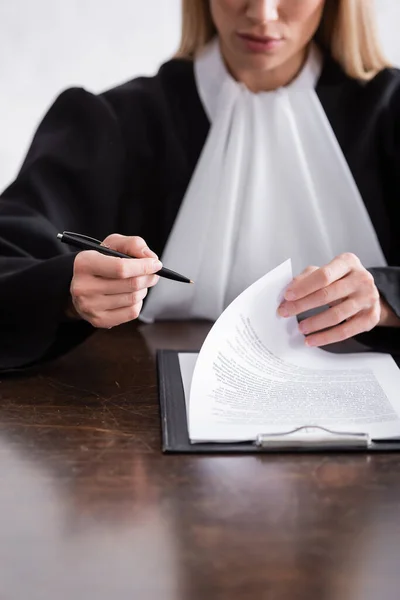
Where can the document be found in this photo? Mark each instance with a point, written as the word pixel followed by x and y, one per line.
pixel 255 376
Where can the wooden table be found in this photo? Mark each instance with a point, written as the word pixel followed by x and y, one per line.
pixel 91 509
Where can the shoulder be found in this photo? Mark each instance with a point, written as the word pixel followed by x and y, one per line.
pixel 162 113
pixel 140 101
pixel 387 82
pixel 387 88
pixel 159 97
pixel 134 118
pixel 381 91
pixel 78 125
pixel 359 109
pixel 381 98
pixel 175 75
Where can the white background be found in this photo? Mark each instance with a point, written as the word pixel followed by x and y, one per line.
pixel 48 45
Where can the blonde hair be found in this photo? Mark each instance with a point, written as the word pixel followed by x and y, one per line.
pixel 347 31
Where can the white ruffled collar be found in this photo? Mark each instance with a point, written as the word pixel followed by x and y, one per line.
pixel 213 78
pixel 271 184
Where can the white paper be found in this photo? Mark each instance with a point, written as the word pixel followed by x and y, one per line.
pixel 254 375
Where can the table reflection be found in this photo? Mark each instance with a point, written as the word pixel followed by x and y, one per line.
pixel 90 508
pixel 78 537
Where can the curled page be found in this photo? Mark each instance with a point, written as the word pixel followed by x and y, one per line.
pixel 254 375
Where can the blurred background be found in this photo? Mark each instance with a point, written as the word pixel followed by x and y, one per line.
pixel 48 45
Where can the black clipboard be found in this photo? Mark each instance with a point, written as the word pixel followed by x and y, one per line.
pixel 175 439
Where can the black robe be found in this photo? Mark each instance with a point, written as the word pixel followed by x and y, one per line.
pixel 121 162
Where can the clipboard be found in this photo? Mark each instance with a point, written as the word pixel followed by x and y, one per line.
pixel 175 438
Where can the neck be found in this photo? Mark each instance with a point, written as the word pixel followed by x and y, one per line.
pixel 267 80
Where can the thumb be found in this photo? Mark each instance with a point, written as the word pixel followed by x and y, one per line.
pixel 132 245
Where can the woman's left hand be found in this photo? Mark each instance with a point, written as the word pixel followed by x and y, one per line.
pixel 355 305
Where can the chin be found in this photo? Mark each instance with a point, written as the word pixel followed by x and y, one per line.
pixel 259 62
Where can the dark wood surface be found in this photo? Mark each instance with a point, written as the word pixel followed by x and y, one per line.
pixel 91 509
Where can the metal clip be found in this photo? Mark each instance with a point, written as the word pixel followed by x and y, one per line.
pixel 312 436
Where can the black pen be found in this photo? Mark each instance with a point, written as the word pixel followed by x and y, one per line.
pixel 83 242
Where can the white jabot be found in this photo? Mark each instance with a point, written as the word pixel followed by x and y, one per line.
pixel 271 184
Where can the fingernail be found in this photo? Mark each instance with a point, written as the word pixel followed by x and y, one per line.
pixel 289 295
pixel 309 343
pixel 283 311
pixel 157 265
pixel 147 252
pixel 303 328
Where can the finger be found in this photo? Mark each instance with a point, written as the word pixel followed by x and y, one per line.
pixel 337 291
pixel 94 263
pixel 339 267
pixel 91 306
pixel 363 321
pixel 132 245
pixel 305 272
pixel 299 277
pixel 133 284
pixel 113 318
pixel 91 286
pixel 302 275
pixel 331 317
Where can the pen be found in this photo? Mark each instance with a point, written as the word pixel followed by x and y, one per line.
pixel 85 242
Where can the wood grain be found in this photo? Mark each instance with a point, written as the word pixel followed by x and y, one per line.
pixel 91 509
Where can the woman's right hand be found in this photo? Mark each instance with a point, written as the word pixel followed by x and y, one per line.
pixel 108 291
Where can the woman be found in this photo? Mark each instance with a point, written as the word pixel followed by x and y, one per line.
pixel 274 133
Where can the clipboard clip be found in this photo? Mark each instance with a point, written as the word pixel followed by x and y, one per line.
pixel 313 436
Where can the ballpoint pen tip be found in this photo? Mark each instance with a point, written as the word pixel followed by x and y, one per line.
pixel 59 235
pixel 191 281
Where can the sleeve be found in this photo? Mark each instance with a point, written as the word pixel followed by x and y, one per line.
pixel 70 180
pixel 387 279
pixel 385 339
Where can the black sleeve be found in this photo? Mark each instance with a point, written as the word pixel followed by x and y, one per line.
pixel 385 339
pixel 71 179
pixel 387 279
